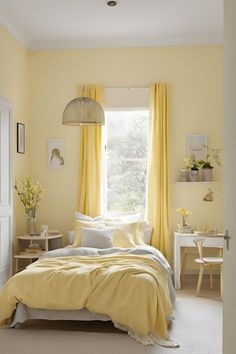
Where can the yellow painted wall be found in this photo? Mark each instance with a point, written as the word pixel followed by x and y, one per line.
pixel 14 67
pixel 195 75
pixel 41 83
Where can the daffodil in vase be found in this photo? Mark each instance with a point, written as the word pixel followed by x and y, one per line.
pixel 183 228
pixel 30 195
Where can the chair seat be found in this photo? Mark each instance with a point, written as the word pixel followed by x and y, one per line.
pixel 212 260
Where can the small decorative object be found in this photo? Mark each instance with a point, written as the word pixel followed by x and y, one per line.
pixel 56 154
pixel 184 175
pixel 196 146
pixel 183 228
pixel 192 165
pixel 30 195
pixel 44 230
pixel 20 133
pixel 212 157
pixel 194 175
pixel 209 197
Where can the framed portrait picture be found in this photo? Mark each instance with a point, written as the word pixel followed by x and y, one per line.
pixel 197 146
pixel 56 153
pixel 20 138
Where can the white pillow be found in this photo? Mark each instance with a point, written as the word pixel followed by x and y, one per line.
pixel 97 238
pixel 124 217
pixel 83 217
pixel 147 233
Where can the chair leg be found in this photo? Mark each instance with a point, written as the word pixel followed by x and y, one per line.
pixel 211 277
pixel 221 282
pixel 183 269
pixel 200 278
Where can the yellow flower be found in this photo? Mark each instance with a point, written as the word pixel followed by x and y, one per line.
pixel 184 213
pixel 29 194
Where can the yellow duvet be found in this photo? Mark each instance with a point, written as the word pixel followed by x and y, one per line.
pixel 131 289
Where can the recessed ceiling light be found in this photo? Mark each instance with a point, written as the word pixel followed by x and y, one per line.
pixel 112 3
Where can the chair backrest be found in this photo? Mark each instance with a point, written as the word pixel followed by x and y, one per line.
pixel 199 244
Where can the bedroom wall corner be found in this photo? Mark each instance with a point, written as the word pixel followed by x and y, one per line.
pixel 14 85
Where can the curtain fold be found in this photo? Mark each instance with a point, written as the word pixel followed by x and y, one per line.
pixel 90 154
pixel 158 181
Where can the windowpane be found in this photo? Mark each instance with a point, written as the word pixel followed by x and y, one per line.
pixel 127 147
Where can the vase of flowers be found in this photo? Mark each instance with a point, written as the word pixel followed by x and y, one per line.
pixel 30 194
pixel 183 228
pixel 31 222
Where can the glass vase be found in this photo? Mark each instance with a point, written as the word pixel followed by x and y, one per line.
pixel 31 223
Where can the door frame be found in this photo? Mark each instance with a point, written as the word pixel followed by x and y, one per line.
pixel 8 104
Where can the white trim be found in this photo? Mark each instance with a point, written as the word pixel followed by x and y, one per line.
pixel 125 42
pixel 13 31
pixel 5 102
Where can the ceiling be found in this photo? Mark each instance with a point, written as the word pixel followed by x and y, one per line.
pixel 50 24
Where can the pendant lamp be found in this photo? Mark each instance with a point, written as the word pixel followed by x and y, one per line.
pixel 83 111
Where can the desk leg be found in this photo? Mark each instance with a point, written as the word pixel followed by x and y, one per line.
pixel 177 262
pixel 221 282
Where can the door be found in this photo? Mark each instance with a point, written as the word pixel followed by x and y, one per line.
pixel 229 304
pixel 5 190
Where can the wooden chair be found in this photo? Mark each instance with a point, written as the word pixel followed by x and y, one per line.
pixel 208 262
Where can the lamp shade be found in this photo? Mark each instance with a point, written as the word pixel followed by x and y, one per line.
pixel 83 111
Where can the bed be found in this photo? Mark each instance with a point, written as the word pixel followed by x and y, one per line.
pixel 132 287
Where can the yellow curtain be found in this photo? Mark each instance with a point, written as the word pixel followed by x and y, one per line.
pixel 89 197
pixel 158 188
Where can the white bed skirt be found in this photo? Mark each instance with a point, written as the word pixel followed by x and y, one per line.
pixel 24 313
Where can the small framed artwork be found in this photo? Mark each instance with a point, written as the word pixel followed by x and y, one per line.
pixel 197 146
pixel 56 153
pixel 20 138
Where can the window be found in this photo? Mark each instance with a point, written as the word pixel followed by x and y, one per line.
pixel 126 160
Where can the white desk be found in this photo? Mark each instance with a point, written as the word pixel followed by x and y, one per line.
pixel 186 240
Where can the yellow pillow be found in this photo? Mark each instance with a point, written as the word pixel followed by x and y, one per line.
pixel 78 224
pixel 123 238
pixel 124 234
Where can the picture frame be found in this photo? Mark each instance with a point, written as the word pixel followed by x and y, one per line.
pixel 20 138
pixel 56 153
pixel 197 146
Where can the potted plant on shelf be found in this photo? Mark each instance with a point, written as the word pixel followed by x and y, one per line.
pixel 192 164
pixel 207 165
pixel 183 228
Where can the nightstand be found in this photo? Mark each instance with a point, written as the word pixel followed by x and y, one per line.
pixel 34 254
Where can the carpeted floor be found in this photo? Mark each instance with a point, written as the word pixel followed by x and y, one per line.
pixel 197 327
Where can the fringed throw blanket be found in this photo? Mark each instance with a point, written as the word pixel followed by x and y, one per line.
pixel 131 289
